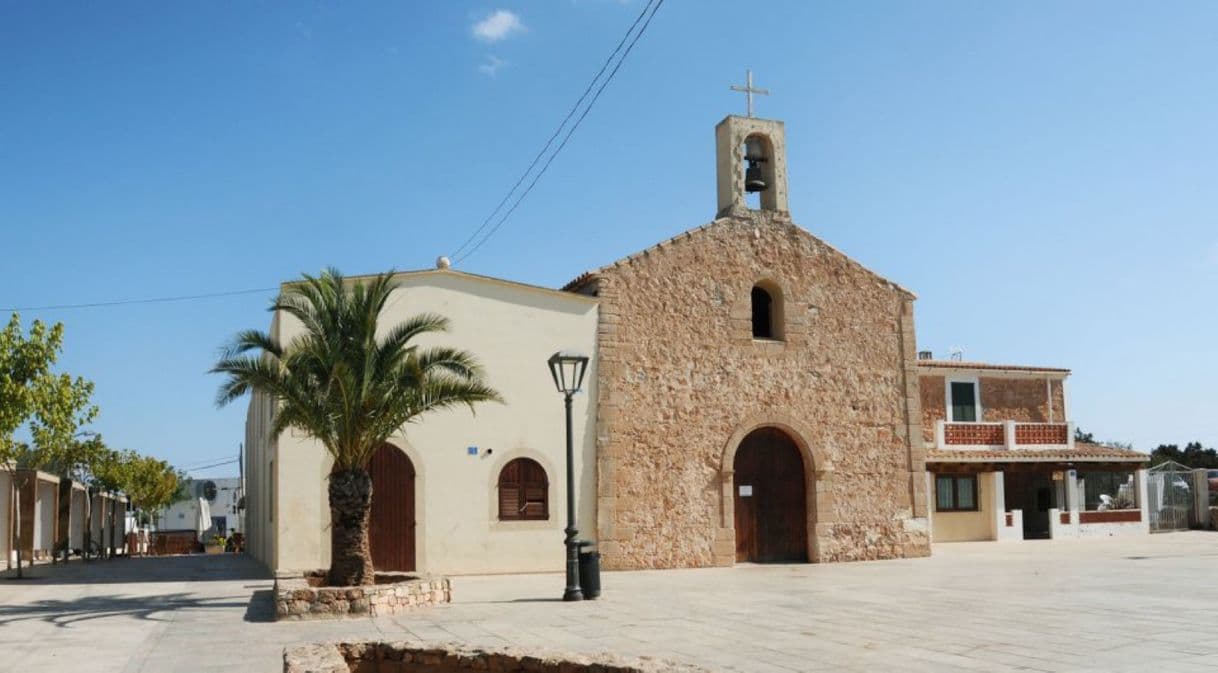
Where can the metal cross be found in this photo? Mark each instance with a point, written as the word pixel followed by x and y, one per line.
pixel 748 89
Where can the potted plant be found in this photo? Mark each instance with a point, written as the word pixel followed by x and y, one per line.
pixel 216 545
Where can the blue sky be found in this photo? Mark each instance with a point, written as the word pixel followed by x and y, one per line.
pixel 1041 174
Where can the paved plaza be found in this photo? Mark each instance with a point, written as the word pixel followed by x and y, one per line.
pixel 1141 604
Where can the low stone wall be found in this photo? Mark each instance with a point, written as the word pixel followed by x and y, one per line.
pixel 296 598
pixel 406 657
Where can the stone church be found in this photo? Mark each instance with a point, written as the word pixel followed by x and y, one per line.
pixel 752 396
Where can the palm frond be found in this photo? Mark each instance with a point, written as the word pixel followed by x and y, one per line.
pixel 336 381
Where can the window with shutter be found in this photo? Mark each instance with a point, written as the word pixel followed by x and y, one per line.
pixel 523 491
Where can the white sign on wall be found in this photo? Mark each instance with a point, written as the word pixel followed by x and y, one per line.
pixel 746 490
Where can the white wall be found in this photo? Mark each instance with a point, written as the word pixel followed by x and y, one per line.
pixel 99 530
pixel 47 512
pixel 183 515
pixel 259 486
pixel 968 526
pixel 76 536
pixel 512 329
pixel 6 515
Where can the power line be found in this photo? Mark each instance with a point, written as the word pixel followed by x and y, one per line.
pixel 208 467
pixel 127 302
pixel 209 460
pixel 657 3
pixel 557 131
pixel 652 5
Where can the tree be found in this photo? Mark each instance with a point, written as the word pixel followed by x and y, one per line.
pixel 51 407
pixel 77 462
pixel 1193 455
pixel 110 472
pixel 152 484
pixel 1080 436
pixel 340 384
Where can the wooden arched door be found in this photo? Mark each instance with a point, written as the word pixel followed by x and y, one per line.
pixel 391 528
pixel 770 497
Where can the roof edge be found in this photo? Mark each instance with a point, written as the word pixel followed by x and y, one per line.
pixel 588 276
pixel 482 278
pixel 962 364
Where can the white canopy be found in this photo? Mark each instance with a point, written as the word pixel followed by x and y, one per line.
pixel 203 524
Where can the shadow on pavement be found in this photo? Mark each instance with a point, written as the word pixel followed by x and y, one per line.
pixel 66 613
pixel 261 607
pixel 195 568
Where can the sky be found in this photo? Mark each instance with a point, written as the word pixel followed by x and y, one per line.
pixel 1041 174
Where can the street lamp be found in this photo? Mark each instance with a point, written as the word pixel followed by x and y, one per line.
pixel 568 371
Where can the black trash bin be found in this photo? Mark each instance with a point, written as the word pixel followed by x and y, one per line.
pixel 589 570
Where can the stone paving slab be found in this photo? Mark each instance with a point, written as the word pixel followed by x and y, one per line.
pixel 1112 605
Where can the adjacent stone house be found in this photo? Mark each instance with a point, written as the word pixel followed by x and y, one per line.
pixel 1004 463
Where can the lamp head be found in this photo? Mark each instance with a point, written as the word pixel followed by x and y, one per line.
pixel 568 370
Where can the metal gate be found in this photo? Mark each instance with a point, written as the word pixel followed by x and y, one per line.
pixel 1169 489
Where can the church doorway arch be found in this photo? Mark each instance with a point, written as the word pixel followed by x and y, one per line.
pixel 770 500
pixel 391 529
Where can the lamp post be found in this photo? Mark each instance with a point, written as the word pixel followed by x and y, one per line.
pixel 568 371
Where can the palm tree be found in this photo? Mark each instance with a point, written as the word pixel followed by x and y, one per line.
pixel 340 384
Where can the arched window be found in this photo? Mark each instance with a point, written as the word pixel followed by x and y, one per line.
pixel 767 311
pixel 523 491
pixel 763 326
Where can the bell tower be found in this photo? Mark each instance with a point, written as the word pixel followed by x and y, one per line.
pixel 750 156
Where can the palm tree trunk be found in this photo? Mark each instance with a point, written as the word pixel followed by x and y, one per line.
pixel 350 508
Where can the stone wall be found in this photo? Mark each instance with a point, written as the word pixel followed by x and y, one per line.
pixel 1002 399
pixel 1023 400
pixel 682 381
pixel 415 657
pixel 295 599
pixel 934 403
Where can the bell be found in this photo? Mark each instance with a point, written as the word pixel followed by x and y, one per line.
pixel 753 182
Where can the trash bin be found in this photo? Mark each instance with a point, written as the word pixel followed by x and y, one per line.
pixel 589 570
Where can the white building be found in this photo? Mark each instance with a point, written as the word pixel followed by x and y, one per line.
pixel 223 497
pixel 454 493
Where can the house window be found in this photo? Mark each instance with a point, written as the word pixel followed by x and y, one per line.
pixel 962 403
pixel 523 491
pixel 955 493
pixel 766 299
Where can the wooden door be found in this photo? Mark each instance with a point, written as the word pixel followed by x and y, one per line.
pixel 770 499
pixel 391 529
pixel 1031 491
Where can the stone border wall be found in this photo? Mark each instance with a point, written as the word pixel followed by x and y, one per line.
pixel 295 599
pixel 417 657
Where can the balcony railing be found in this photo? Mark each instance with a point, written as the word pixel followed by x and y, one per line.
pixel 1003 435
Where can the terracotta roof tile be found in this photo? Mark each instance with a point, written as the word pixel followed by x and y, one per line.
pixel 1081 453
pixel 965 364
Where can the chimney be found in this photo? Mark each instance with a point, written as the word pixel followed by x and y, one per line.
pixel 926 355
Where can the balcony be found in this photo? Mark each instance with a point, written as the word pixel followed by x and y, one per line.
pixel 1011 435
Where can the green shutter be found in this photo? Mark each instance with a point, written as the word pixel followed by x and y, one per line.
pixel 964 402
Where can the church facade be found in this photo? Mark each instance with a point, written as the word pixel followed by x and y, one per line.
pixel 768 378
pixel 753 396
